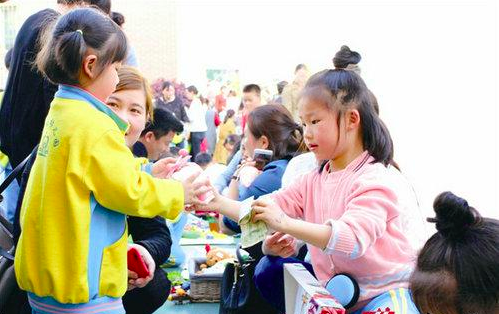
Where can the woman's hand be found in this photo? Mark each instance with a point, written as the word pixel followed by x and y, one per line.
pixel 133 279
pixel 280 244
pixel 163 167
pixel 270 213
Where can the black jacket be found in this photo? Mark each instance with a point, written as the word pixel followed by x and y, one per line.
pixel 153 234
pixel 27 95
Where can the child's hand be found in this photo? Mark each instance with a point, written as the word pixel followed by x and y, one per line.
pixel 133 279
pixel 270 213
pixel 162 168
pixel 211 204
pixel 193 190
pixel 280 244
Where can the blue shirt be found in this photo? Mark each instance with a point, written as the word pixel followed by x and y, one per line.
pixel 267 182
pixel 224 179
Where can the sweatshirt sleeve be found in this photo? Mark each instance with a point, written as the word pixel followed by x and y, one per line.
pixel 291 199
pixel 117 181
pixel 369 207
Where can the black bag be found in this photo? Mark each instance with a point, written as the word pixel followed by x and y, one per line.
pixel 238 293
pixel 11 297
pixel 7 276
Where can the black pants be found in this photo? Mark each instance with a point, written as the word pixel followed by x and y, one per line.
pixel 196 139
pixel 150 298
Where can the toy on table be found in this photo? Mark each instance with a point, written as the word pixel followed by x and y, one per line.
pixel 179 292
pixel 216 259
pixel 179 296
pixel 198 228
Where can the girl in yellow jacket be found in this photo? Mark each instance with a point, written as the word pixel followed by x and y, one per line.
pixel 71 256
pixel 226 129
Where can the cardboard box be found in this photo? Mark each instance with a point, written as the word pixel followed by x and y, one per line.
pixel 305 295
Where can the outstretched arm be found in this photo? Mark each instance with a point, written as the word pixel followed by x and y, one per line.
pixel 316 234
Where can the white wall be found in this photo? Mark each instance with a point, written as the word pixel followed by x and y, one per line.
pixel 432 65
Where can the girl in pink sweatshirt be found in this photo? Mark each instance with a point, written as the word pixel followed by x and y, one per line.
pixel 349 211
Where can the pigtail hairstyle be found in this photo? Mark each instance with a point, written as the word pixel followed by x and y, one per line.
pixel 457 270
pixel 344 89
pixel 67 41
pixel 277 124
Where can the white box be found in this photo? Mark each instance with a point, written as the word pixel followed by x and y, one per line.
pixel 305 295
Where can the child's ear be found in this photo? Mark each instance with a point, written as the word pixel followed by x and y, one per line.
pixel 90 66
pixel 353 119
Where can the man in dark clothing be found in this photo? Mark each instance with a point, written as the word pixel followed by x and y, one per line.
pixel 170 102
pixel 155 139
pixel 27 95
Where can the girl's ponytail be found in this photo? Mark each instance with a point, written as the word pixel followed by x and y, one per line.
pixel 70 51
pixel 375 135
pixel 65 42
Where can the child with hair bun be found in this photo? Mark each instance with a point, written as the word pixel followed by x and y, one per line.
pixel 349 210
pixel 457 270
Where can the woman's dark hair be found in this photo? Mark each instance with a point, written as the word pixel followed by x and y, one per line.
pixel 230 113
pixel 192 89
pixel 237 147
pixel 103 5
pixel 232 139
pixel 166 84
pixel 118 18
pixel 67 41
pixel 341 90
pixel 344 57
pixel 457 270
pixel 276 123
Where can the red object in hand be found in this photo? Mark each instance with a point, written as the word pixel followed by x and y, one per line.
pixel 207 247
pixel 183 152
pixel 136 263
pixel 217 119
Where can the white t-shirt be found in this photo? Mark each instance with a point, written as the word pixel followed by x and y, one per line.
pixel 297 167
pixel 197 116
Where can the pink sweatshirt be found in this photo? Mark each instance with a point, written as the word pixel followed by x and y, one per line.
pixel 368 239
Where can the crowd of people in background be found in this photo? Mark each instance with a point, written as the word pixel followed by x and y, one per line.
pixel 100 143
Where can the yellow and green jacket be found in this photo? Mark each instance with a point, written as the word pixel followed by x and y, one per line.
pixel 72 250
